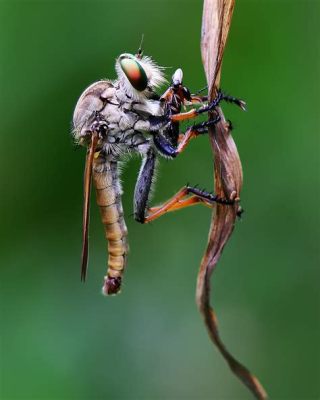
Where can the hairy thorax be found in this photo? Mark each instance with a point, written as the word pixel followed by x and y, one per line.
pixel 125 122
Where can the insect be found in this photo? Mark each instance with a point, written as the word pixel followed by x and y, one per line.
pixel 114 118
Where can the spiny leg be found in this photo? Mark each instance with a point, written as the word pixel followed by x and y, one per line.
pixel 210 107
pixel 178 201
pixel 143 187
pixel 230 99
pixel 209 199
pixel 221 96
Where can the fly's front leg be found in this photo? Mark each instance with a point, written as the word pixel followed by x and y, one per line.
pixel 180 200
pixel 210 107
pixel 221 96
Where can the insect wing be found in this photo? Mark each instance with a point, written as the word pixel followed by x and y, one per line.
pixel 86 205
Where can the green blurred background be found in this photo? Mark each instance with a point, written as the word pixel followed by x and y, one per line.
pixel 61 339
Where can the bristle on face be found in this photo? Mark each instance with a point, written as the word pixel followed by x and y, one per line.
pixel 139 77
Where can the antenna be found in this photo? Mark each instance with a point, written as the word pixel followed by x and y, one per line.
pixel 140 51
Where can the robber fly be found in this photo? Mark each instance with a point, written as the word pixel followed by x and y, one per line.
pixel 114 118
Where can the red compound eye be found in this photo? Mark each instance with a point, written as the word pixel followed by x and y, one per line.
pixel 134 72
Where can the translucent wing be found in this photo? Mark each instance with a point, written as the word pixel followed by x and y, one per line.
pixel 86 205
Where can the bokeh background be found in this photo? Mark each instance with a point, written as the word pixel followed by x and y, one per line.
pixel 60 339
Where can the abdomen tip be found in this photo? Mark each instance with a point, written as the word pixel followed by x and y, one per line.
pixel 111 286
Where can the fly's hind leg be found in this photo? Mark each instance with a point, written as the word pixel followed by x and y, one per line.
pixel 180 200
pixel 186 197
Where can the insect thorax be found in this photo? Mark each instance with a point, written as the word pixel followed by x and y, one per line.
pixel 124 122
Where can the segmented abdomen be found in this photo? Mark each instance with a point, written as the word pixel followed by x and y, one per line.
pixel 108 193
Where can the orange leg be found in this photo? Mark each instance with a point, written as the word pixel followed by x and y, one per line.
pixel 199 99
pixel 195 112
pixel 190 201
pixel 185 139
pixel 193 132
pixel 158 211
pixel 184 116
pixel 209 107
pixel 178 201
pixel 190 133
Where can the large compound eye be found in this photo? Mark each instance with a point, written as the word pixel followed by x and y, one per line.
pixel 134 72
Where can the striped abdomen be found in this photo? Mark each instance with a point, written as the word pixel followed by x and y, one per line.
pixel 106 181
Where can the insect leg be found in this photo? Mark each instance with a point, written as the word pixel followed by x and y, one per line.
pixel 179 201
pixel 198 99
pixel 235 100
pixel 195 112
pixel 229 99
pixel 190 201
pixel 221 96
pixel 143 186
pixel 195 131
pixel 166 148
pixel 210 107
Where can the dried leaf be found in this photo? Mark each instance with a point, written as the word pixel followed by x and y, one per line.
pixel 216 21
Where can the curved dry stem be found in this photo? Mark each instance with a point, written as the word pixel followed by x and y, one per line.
pixel 216 21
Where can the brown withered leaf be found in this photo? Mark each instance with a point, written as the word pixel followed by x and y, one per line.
pixel 216 21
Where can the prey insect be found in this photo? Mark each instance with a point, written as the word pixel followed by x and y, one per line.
pixel 114 118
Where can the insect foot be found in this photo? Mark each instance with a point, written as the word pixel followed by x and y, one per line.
pixel 230 99
pixel 111 285
pixel 216 101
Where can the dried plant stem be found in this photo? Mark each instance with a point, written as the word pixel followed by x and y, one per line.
pixel 216 21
